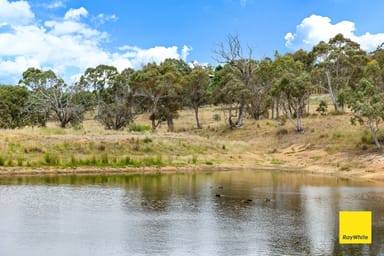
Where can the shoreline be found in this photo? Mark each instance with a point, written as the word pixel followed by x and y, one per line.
pixel 9 172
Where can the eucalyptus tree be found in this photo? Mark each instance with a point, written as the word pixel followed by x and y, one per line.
pixel 260 99
pixel 293 87
pixel 378 56
pixel 366 100
pixel 235 79
pixel 99 79
pixel 161 87
pixel 117 108
pixel 195 87
pixel 13 100
pixel 340 61
pixel 50 94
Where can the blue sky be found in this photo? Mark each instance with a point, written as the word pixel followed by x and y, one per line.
pixel 68 36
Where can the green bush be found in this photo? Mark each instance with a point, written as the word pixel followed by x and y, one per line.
pixel 147 140
pixel 138 128
pixel 216 117
pixel 322 108
pixel 51 159
pixel 194 159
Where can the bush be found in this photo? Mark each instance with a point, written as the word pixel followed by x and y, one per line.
pixel 147 140
pixel 322 108
pixel 51 159
pixel 139 128
pixel 194 159
pixel 216 117
pixel 282 131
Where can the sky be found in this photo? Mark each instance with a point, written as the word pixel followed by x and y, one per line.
pixel 69 36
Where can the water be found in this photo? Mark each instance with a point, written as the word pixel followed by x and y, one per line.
pixel 180 214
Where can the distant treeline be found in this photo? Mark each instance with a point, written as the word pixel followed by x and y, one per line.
pixel 245 88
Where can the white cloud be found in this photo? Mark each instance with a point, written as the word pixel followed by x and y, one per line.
pixel 18 12
pixel 66 45
pixel 185 52
pixel 316 28
pixel 75 14
pixel 139 57
pixel 103 18
pixel 55 4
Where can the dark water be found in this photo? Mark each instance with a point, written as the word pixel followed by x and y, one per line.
pixel 181 215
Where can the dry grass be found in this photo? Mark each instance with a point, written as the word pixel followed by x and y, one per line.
pixel 329 142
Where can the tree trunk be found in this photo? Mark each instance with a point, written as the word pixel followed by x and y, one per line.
pixel 377 143
pixel 63 123
pixel 374 133
pixel 277 108
pixel 154 125
pixel 199 126
pixel 332 93
pixel 239 119
pixel 170 124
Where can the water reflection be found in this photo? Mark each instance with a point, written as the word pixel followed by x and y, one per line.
pixel 257 213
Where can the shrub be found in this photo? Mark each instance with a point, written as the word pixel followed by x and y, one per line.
pixel 345 168
pixel 51 159
pixel 150 161
pixel 10 162
pixel 216 117
pixel 139 128
pixel 194 159
pixel 322 108
pixel 282 131
pixel 101 147
pixel 147 140
pixel 337 135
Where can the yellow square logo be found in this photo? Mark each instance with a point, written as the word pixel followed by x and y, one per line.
pixel 355 227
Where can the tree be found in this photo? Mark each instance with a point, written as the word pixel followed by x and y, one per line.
pixel 235 78
pixel 292 85
pixel 195 89
pixel 12 105
pixel 341 62
pixel 260 97
pixel 160 85
pixel 366 100
pixel 99 79
pixel 117 104
pixel 49 93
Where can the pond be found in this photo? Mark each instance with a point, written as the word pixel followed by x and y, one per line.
pixel 221 213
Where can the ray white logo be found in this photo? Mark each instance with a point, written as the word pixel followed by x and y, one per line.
pixel 355 227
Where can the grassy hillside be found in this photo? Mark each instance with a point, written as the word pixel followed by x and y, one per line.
pixel 329 144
